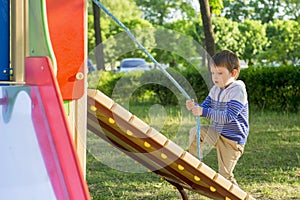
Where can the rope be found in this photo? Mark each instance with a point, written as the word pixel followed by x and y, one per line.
pixel 156 63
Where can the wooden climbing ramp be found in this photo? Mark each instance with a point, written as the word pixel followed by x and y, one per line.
pixel 116 125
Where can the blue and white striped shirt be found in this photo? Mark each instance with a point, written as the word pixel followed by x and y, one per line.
pixel 228 109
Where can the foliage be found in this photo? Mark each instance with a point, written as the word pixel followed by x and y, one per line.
pixel 132 19
pixel 160 11
pixel 273 88
pixel 284 42
pixel 171 45
pixel 142 87
pixel 264 10
pixel 227 35
pixel 253 40
pixel 270 88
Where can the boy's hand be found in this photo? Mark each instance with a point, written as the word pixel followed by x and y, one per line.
pixel 190 104
pixel 197 110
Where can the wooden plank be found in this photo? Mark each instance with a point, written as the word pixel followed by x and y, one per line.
pixel 121 112
pixel 222 181
pixel 139 124
pixel 100 97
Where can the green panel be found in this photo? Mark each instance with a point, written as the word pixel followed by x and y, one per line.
pixel 67 107
pixel 39 38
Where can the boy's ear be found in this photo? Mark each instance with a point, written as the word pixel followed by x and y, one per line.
pixel 234 73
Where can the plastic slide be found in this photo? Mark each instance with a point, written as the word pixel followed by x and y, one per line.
pixel 38 158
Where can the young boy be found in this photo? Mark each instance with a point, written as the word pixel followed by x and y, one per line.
pixel 227 107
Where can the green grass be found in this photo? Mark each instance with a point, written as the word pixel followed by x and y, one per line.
pixel 269 168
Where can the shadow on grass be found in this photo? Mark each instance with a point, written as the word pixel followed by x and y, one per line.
pixel 108 184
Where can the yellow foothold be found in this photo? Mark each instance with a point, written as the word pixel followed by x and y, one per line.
pixel 111 120
pixel 149 171
pixel 146 144
pixel 180 167
pixel 162 178
pixel 129 133
pixel 212 189
pixel 227 198
pixel 197 178
pixel 93 108
pixel 163 156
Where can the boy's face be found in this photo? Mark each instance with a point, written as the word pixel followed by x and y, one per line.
pixel 221 76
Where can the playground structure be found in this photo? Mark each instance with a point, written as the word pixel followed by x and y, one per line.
pixel 42 99
pixel 46 109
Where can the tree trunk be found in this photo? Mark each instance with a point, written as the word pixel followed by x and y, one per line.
pixel 99 55
pixel 209 41
pixel 207 26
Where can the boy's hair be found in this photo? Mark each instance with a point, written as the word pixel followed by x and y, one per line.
pixel 227 59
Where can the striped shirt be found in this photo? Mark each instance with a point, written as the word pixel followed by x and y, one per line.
pixel 228 109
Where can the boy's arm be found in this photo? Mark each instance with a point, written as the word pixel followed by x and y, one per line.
pixel 206 103
pixel 234 107
pixel 223 117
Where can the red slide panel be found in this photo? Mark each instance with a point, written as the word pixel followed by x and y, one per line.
pixel 53 132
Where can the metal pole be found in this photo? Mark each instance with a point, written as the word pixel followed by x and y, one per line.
pixel 18 38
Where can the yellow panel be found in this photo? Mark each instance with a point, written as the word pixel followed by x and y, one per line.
pixel 19 38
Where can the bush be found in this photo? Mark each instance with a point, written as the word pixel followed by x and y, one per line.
pixel 271 88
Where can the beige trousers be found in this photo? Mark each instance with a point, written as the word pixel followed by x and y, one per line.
pixel 228 151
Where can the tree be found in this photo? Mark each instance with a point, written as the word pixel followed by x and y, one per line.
pixel 207 27
pixel 162 11
pixel 292 9
pixel 99 55
pixel 253 37
pixel 227 35
pixel 264 10
pixel 284 40
pixel 99 33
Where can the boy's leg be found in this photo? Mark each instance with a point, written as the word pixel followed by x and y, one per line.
pixel 208 139
pixel 229 153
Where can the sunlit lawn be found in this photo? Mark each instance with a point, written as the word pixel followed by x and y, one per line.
pixel 269 168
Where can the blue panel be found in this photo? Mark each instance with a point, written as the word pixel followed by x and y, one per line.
pixel 4 40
